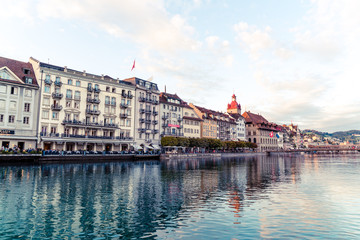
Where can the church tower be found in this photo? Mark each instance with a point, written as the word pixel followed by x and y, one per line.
pixel 234 107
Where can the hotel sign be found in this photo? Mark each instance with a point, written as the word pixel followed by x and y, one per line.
pixel 173 125
pixel 7 132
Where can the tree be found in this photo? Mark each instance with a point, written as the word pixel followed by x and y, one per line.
pixel 169 141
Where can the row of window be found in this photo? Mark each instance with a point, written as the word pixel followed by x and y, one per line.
pixel 14 90
pixel 171 108
pixel 191 122
pixel 12 105
pixel 190 130
pixel 11 119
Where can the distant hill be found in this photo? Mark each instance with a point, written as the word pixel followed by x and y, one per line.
pixel 342 135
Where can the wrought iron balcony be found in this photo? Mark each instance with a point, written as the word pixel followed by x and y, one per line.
pixel 179 119
pixel 123 115
pixel 155 113
pixel 44 134
pixel 123 105
pixel 124 138
pixel 141 120
pixel 156 102
pixel 164 125
pixel 148 140
pixel 148 111
pixel 142 110
pixel 57 95
pixel 124 95
pixel 155 131
pixel 130 96
pixel 56 107
pixel 93 100
pixel 48 81
pixel 142 99
pixel 111 125
pixel 93 112
pixel 96 90
pixel 58 83
pixel 142 130
pixel 148 121
pixel 90 89
pixel 164 117
pixel 155 122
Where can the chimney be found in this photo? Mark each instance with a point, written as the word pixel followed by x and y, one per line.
pixel 165 88
pixel 102 76
pixel 65 69
pixel 84 73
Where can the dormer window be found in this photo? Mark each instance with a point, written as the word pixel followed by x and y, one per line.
pixel 28 80
pixel 26 71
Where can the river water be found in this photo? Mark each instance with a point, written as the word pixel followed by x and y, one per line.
pixel 301 196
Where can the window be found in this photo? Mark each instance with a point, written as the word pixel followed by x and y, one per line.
pixel 47 77
pixel 68 93
pixel 12 105
pixel 55 115
pixel 27 92
pixel 113 110
pixel 47 89
pixel 128 123
pixel 70 82
pixel 68 103
pixel 28 80
pixel 113 90
pixel 107 100
pixel 108 89
pixel 26 120
pixel 2 89
pixel 44 129
pixel 14 90
pixel 11 118
pixel 76 105
pixel 45 114
pixel 1 117
pixel 27 107
pixel 46 101
pixel 77 95
pixel 113 101
pixel 53 129
pixel 78 83
pixel 129 102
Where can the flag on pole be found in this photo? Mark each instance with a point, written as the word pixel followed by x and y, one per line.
pixel 277 135
pixel 133 66
pixel 271 134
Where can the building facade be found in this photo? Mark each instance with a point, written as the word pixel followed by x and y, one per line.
pixel 262 132
pixel 146 108
pixel 19 93
pixel 82 111
pixel 171 112
pixel 208 125
pixel 192 123
pixel 234 110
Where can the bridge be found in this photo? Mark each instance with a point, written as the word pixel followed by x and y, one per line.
pixel 334 149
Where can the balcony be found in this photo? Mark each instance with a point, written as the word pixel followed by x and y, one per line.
pixel 57 95
pixel 92 112
pixel 124 95
pixel 155 122
pixel 66 135
pixel 155 131
pixel 142 130
pixel 58 83
pixel 148 121
pixel 69 97
pixel 111 125
pixel 123 115
pixel 148 111
pixel 56 107
pixel 71 122
pixel 123 105
pixel 101 137
pixel 124 138
pixel 156 102
pixel 148 140
pixel 142 111
pixel 142 99
pixel 48 81
pixel 93 100
pixel 90 89
pixel 164 125
pixel 96 90
pixel 180 126
pixel 130 96
pixel 179 119
pixel 141 120
pixel 155 113
pixel 44 134
pixel 164 117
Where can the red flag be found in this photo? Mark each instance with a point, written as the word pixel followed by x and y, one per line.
pixel 271 134
pixel 133 66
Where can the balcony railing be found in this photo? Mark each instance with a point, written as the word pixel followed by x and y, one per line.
pixel 123 105
pixel 130 96
pixel 142 99
pixel 48 81
pixel 96 90
pixel 141 120
pixel 123 115
pixel 148 121
pixel 44 134
pixel 57 95
pixel 65 135
pixel 172 134
pixel 179 119
pixel 142 130
pixel 58 83
pixel 93 100
pixel 155 122
pixel 111 125
pixel 155 131
pixel 90 89
pixel 148 140
pixel 164 117
pixel 164 125
pixel 56 107
pixel 124 95
pixel 69 97
pixel 155 113
pixel 93 112
pixel 124 138
pixel 142 110
pixel 148 111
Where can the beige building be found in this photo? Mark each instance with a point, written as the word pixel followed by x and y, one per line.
pixel 19 93
pixel 82 111
pixel 192 123
pixel 262 132
pixel 208 125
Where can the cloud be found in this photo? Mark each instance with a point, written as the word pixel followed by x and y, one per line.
pixel 145 22
pixel 252 39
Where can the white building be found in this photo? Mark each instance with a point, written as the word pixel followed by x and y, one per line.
pixel 234 110
pixel 192 123
pixel 82 111
pixel 146 109
pixel 171 112
pixel 19 93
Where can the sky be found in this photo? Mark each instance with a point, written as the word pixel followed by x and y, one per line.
pixel 290 61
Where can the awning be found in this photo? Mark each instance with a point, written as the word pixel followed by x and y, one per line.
pixel 156 147
pixel 149 147
pixel 137 147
